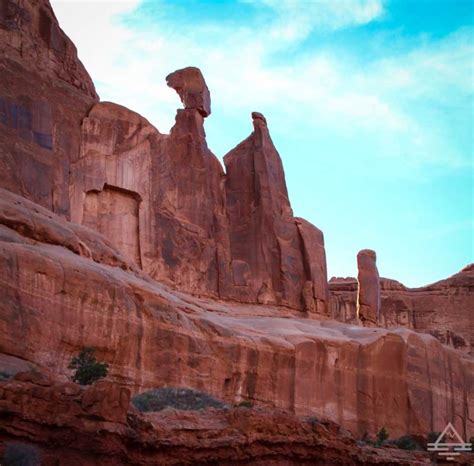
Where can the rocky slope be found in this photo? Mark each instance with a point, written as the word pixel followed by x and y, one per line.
pixel 62 420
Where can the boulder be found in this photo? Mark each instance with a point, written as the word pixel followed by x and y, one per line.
pixel 192 89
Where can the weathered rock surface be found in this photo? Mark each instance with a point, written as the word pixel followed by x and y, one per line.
pixel 368 290
pixel 55 301
pixel 443 309
pixel 44 94
pixel 276 259
pixel 192 89
pixel 160 199
pixel 343 299
pixel 62 420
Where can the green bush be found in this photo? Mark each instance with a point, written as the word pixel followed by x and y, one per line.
pixel 5 376
pixel 177 398
pixel 432 437
pixel 382 435
pixel 407 442
pixel 88 370
pixel 244 404
pixel 312 420
pixel 21 454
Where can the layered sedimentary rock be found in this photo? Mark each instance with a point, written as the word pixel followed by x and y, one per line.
pixel 272 256
pixel 315 290
pixel 161 199
pixel 192 89
pixel 62 421
pixel 368 289
pixel 56 300
pixel 44 94
pixel 443 309
pixel 343 299
pixel 166 203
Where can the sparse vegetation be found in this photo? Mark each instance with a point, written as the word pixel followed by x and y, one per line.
pixel 407 442
pixel 177 398
pixel 312 420
pixel 382 436
pixel 244 404
pixel 431 437
pixel 5 376
pixel 88 369
pixel 21 454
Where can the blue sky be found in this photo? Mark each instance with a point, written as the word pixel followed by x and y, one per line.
pixel 369 102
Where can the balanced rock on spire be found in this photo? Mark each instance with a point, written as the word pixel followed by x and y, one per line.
pixel 192 89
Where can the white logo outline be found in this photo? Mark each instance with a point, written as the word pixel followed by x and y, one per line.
pixel 449 450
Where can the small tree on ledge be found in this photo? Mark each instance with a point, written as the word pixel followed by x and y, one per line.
pixel 88 370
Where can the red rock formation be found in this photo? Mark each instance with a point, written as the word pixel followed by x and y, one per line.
pixel 192 89
pixel 44 94
pixel 443 309
pixel 170 213
pixel 272 256
pixel 70 424
pixel 55 300
pixel 343 299
pixel 368 290
pixel 314 261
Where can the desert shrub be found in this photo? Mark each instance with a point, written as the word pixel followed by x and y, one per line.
pixel 5 376
pixel 88 369
pixel 431 437
pixel 382 435
pixel 407 442
pixel 177 398
pixel 244 404
pixel 312 421
pixel 21 454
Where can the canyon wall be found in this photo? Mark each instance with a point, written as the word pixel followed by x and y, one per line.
pixel 443 309
pixel 183 274
pixel 45 92
pixel 64 287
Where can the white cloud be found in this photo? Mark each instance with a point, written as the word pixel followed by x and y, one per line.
pixel 129 67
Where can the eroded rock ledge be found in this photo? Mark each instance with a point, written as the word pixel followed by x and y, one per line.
pixel 63 419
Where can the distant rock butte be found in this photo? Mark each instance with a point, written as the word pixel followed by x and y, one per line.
pixel 443 309
pixel 138 243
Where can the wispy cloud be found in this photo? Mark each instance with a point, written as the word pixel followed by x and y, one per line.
pixel 375 99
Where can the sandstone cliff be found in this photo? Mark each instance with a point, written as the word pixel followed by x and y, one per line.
pixel 138 243
pixel 45 92
pixel 443 309
pixel 64 287
pixel 63 419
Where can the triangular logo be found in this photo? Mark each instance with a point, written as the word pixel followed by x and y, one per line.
pixel 449 444
pixel 449 436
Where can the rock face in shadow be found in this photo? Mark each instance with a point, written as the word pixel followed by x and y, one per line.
pixel 44 94
pixel 62 421
pixel 368 290
pixel 59 296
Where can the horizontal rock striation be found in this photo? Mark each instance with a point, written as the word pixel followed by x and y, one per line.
pixel 55 301
pixel 62 421
pixel 443 309
pixel 44 94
